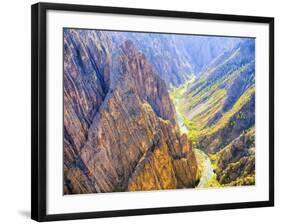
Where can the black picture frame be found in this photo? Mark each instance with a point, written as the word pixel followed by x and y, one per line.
pixel 39 122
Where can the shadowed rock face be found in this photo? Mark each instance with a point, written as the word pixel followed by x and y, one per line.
pixel 177 57
pixel 120 132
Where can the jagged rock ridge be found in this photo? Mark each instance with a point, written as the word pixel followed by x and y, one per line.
pixel 177 58
pixel 120 132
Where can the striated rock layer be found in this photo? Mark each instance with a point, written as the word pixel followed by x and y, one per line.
pixel 120 132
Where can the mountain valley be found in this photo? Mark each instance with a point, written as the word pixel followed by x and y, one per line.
pixel 150 111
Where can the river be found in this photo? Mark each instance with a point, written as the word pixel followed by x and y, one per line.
pixel 208 177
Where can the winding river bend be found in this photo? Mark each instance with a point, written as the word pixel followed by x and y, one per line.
pixel 207 176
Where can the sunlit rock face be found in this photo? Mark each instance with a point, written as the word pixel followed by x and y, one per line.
pixel 236 162
pixel 120 131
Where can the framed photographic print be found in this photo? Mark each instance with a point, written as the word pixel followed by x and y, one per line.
pixel 138 111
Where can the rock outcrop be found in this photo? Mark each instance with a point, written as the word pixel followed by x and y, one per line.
pixel 120 132
pixel 236 162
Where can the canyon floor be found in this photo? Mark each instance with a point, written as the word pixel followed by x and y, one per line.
pixel 206 174
pixel 147 111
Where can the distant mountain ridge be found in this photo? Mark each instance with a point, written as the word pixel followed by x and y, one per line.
pixel 176 58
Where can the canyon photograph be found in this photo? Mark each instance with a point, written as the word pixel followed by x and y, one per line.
pixel 157 111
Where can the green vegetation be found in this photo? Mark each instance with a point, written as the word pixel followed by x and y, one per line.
pixel 214 110
pixel 213 157
pixel 205 170
pixel 205 167
pixel 205 97
pixel 235 164
pixel 213 99
pixel 213 182
pixel 225 119
pixel 241 181
pixel 178 92
pixel 177 96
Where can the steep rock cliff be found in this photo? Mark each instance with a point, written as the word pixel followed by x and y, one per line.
pixel 120 132
pixel 176 58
